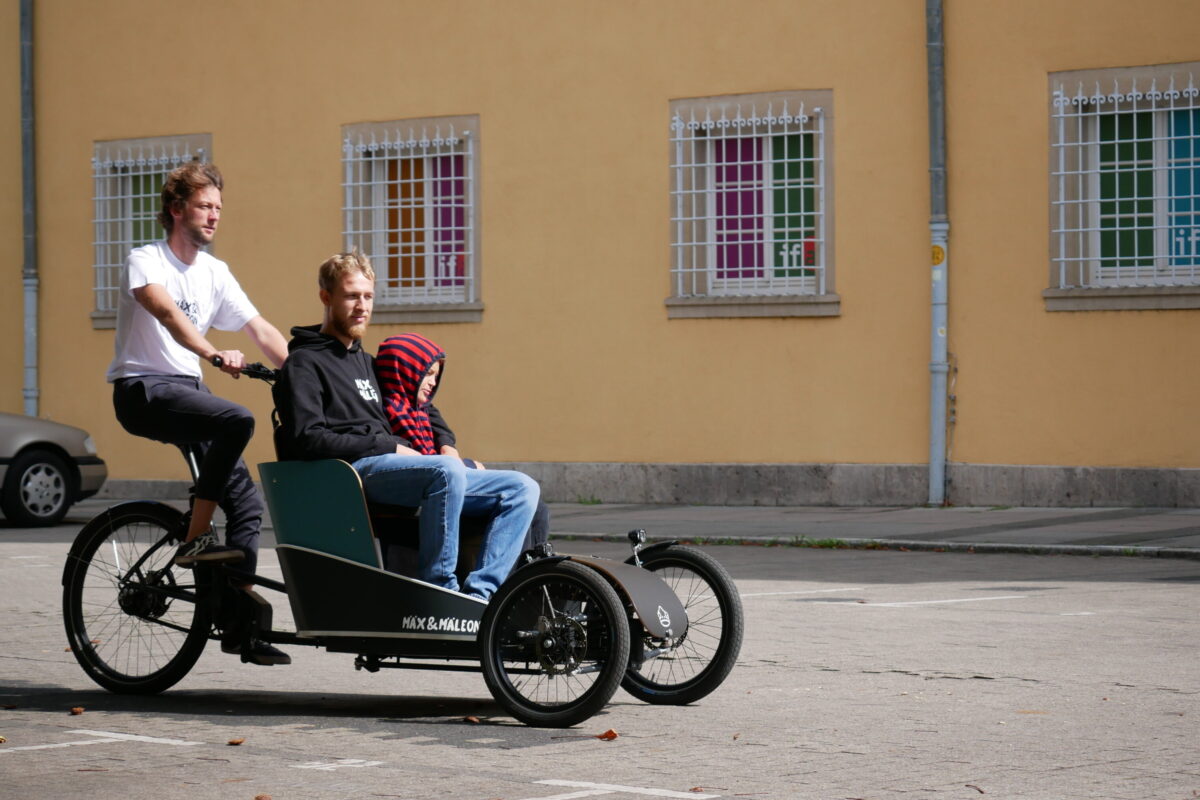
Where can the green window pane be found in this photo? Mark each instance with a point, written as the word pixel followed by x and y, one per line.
pixel 793 171
pixel 1126 184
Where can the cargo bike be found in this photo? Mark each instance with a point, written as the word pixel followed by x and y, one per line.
pixel 554 643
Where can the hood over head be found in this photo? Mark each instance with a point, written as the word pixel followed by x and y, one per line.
pixel 402 362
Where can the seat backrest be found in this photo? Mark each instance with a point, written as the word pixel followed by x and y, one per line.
pixel 319 505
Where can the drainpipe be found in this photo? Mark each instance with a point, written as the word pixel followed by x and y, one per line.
pixel 939 229
pixel 29 272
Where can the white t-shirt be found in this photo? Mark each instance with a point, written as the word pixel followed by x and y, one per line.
pixel 205 291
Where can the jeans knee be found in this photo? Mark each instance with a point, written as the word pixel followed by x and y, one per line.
pixel 528 490
pixel 452 471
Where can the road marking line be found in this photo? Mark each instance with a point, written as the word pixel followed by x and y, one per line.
pixel 102 738
pixel 329 767
pixel 612 787
pixel 573 795
pixel 53 746
pixel 131 737
pixel 960 600
pixel 809 591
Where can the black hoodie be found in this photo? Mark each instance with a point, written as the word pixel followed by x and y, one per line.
pixel 328 401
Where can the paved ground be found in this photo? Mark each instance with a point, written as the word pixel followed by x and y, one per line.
pixel 868 675
pixel 1168 532
pixel 1097 531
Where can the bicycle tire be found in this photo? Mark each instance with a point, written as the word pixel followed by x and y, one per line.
pixel 132 616
pixel 694 666
pixel 555 643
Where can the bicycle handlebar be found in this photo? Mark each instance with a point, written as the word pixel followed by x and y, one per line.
pixel 253 370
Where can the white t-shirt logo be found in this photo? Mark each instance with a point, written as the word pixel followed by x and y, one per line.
pixel 191 310
pixel 366 390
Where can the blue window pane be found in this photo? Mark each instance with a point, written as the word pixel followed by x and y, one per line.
pixel 1185 186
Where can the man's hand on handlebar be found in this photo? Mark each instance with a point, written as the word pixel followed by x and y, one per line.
pixel 254 370
pixel 231 362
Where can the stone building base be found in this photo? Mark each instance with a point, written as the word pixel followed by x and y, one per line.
pixel 823 484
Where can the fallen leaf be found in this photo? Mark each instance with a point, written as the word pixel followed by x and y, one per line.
pixel 262 797
pixel 736 735
pixel 472 720
pixel 976 788
pixel 76 711
pixel 3 740
pixel 66 649
pixel 1030 711
pixel 95 641
pixel 608 735
pixel 696 789
pixel 235 742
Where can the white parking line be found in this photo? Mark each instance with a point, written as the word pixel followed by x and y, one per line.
pixel 809 591
pixel 341 763
pixel 53 746
pixel 103 737
pixel 132 737
pixel 959 600
pixel 611 788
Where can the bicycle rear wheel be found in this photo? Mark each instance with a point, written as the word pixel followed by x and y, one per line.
pixel 132 616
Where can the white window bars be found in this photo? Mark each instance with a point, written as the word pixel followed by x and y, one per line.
pixel 748 196
pixel 1125 178
pixel 128 176
pixel 410 200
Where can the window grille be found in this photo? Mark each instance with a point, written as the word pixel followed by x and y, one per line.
pixel 1125 179
pixel 128 176
pixel 748 196
pixel 410 205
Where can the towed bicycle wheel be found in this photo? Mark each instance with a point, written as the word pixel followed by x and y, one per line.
pixel 555 643
pixel 131 615
pixel 682 671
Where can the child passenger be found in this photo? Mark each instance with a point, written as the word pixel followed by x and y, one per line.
pixel 409 369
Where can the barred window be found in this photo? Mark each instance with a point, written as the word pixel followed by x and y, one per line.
pixel 128 176
pixel 410 195
pixel 1125 178
pixel 749 202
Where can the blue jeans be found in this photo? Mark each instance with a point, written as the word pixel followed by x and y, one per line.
pixel 445 489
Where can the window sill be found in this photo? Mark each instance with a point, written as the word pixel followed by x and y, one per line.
pixel 430 313
pixel 104 320
pixel 824 305
pixel 1123 298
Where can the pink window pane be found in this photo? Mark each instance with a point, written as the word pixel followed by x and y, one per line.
pixel 449 215
pixel 739 220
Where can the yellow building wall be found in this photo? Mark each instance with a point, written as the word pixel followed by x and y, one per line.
pixel 12 251
pixel 1111 388
pixel 575 359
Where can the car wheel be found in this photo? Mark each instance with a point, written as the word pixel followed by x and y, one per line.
pixel 37 489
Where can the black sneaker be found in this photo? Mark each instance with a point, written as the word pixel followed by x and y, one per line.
pixel 259 652
pixel 207 549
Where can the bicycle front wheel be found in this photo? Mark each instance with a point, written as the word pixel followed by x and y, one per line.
pixel 685 670
pixel 132 616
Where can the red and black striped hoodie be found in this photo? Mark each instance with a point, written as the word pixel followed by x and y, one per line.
pixel 400 365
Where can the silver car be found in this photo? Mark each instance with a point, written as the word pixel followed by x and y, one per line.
pixel 45 467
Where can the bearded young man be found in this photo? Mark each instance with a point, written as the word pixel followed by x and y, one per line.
pixel 329 407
